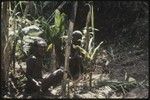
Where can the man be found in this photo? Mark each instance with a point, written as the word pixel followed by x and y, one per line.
pixel 75 61
pixel 34 66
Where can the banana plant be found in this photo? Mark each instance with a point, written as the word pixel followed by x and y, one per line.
pixel 53 34
pixel 55 31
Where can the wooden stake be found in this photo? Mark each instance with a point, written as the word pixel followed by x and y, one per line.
pixel 68 46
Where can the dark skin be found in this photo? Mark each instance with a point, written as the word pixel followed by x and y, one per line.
pixel 34 67
pixel 75 68
pixel 75 62
pixel 34 72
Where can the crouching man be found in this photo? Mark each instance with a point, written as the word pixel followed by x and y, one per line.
pixel 34 66
pixel 35 84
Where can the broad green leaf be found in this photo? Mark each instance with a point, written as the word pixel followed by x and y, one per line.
pixel 62 26
pixel 57 18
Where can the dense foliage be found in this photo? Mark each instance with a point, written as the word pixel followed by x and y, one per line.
pixel 117 41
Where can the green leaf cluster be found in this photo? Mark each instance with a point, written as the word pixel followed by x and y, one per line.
pixel 56 30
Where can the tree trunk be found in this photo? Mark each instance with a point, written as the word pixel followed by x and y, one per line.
pixel 5 46
pixel 68 46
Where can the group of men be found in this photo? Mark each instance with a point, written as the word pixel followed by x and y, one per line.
pixel 35 82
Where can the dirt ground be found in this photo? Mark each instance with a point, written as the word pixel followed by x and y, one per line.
pixel 130 65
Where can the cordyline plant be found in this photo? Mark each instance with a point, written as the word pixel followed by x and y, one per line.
pixel 90 50
pixel 89 57
pixel 91 54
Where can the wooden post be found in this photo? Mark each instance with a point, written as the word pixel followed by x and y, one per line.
pixel 68 46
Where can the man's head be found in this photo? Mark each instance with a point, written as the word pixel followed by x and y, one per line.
pixel 38 47
pixel 76 37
